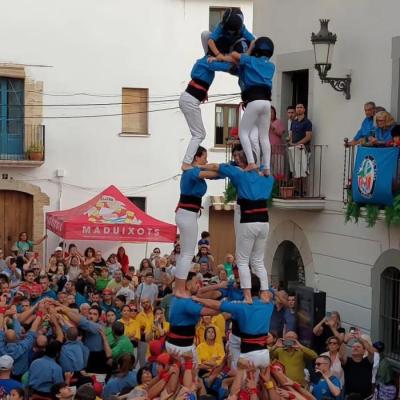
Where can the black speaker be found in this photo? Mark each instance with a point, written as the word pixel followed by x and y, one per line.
pixel 310 310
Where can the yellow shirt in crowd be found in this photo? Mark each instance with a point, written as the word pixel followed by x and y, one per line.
pixel 200 329
pixel 132 328
pixel 206 352
pixel 146 321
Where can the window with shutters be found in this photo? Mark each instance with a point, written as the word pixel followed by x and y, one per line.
pixel 226 118
pixel 135 108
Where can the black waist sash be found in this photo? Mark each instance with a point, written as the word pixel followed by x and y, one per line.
pixel 198 89
pixel 256 93
pixel 250 343
pixel 253 210
pixel 181 336
pixel 190 203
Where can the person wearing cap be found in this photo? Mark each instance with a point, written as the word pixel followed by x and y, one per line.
pixel 227 33
pixel 58 254
pixel 6 383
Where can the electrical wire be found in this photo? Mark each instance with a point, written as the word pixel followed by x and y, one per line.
pixel 222 96
pixel 115 114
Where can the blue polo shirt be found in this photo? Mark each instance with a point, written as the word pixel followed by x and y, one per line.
pixel 192 184
pixel 321 389
pixel 299 129
pixel 253 318
pixel 255 71
pixel 205 71
pixel 184 312
pixel 367 129
pixel 74 356
pixel 19 351
pixel 93 340
pixel 250 185
pixel 44 373
pixel 117 383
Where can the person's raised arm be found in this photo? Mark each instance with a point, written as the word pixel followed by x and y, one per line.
pixel 210 167
pixel 106 346
pixel 71 314
pixel 208 174
pixel 367 347
pixel 40 240
pixel 318 329
pixel 335 390
pixel 208 303
pixel 56 325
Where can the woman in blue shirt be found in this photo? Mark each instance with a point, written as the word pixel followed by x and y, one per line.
pixel 193 188
pixel 383 132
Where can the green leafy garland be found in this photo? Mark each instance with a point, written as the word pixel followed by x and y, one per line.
pixel 392 213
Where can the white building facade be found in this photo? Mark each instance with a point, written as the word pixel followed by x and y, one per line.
pixel 69 59
pixel 353 264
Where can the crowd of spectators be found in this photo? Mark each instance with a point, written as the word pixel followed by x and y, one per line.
pixel 83 325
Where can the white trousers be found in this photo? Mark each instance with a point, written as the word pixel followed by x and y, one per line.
pixel 190 108
pixel 205 35
pixel 174 349
pixel 260 358
pixel 298 161
pixel 234 349
pixel 251 239
pixel 255 145
pixel 187 225
pixel 257 114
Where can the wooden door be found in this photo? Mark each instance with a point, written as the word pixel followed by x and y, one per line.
pixel 16 215
pixel 222 233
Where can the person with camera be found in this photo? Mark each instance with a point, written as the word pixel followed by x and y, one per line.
pixel 293 355
pixel 329 326
pixel 328 386
pixel 358 368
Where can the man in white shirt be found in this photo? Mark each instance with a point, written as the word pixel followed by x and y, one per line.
pixel 127 289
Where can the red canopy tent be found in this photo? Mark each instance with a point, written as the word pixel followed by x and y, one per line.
pixel 109 216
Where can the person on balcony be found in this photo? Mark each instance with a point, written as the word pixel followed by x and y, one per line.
pixel 367 126
pixel 276 131
pixel 383 133
pixel 299 149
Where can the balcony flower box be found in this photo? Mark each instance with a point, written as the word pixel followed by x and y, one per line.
pixel 286 192
pixel 35 152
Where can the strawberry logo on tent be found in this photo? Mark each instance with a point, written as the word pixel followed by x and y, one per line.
pixel 108 210
pixel 366 176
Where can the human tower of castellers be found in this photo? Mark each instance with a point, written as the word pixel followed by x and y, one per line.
pixel 233 49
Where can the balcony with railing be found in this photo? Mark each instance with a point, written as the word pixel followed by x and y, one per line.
pixel 371 183
pixel 298 175
pixel 22 145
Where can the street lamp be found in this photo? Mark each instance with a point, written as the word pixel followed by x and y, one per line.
pixel 324 43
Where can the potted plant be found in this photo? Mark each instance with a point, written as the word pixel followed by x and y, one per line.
pixel 35 152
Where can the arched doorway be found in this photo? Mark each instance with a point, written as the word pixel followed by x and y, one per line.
pixel 16 214
pixel 21 209
pixel 288 265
